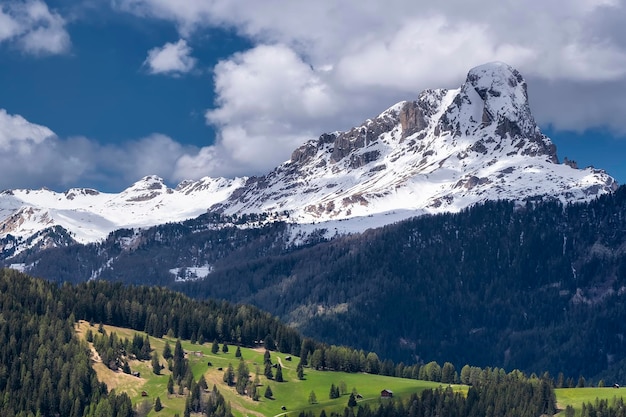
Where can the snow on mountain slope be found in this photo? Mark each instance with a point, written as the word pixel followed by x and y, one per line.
pixel 91 215
pixel 444 152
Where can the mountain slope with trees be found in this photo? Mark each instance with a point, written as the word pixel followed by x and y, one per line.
pixel 537 287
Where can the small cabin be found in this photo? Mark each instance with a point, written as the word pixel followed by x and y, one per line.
pixel 287 358
pixel 615 385
pixel 283 408
pixel 386 393
pixel 136 374
pixel 144 394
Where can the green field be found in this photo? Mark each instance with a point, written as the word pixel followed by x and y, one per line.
pixel 577 396
pixel 293 394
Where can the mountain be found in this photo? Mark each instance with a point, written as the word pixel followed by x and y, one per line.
pixel 445 151
pixel 537 287
pixel 90 215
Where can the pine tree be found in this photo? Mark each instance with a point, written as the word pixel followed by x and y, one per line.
pixel 268 392
pixel 157 405
pixel 229 375
pixel 225 348
pixel 156 365
pixel 312 398
pixel 332 395
pixel 167 351
pixel 202 382
pixel 215 347
pixel 238 352
pixel 170 385
pixel 352 401
pixel 300 371
pixel 279 373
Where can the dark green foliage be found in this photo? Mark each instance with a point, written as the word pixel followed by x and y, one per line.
pixel 215 347
pixel 225 348
pixel 156 365
pixel 229 375
pixel 179 363
pixel 268 392
pixel 167 350
pixel 279 373
pixel 238 352
pixel 157 405
pixel 334 392
pixel 44 369
pixel 243 377
pixel 352 401
pixel 170 385
pixel 300 370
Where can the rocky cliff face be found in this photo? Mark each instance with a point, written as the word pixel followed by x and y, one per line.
pixel 444 151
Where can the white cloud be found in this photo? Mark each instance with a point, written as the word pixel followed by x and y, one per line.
pixel 33 156
pixel 269 102
pixel 33 28
pixel 15 130
pixel 326 65
pixel 171 59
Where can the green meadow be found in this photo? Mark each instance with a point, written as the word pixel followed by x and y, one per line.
pixel 576 397
pixel 293 394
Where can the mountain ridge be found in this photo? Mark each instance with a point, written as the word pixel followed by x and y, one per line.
pixel 447 150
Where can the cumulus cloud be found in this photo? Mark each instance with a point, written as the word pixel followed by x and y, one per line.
pixel 269 102
pixel 170 59
pixel 33 28
pixel 327 65
pixel 33 156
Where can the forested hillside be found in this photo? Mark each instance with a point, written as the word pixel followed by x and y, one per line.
pixel 537 287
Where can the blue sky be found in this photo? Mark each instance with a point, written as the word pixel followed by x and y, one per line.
pixel 98 93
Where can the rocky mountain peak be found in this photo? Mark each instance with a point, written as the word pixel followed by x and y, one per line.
pixel 441 152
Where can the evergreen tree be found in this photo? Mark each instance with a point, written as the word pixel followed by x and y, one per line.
pixel 334 392
pixel 279 373
pixel 268 392
pixel 312 398
pixel 229 375
pixel 170 385
pixel 167 351
pixel 268 371
pixel 157 404
pixel 243 376
pixel 225 348
pixel 156 365
pixel 238 352
pixel 202 382
pixel 352 401
pixel 300 371
pixel 215 347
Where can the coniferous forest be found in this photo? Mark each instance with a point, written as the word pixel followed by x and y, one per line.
pixel 46 370
pixel 537 287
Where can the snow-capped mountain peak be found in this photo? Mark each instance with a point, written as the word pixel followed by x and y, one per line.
pixel 445 151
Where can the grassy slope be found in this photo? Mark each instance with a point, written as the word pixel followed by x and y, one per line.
pixel 577 396
pixel 293 393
